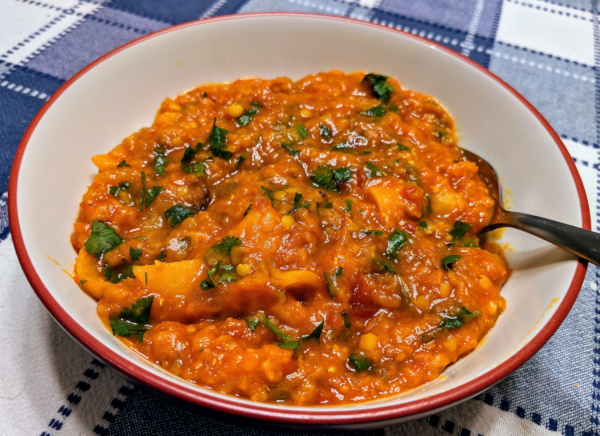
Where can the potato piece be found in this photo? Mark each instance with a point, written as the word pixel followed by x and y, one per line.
pixel 300 278
pixel 174 286
pixel 396 199
pixel 88 272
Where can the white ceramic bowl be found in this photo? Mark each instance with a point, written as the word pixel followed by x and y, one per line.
pixel 120 93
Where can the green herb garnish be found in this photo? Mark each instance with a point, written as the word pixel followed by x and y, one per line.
pixel 246 117
pixel 325 132
pixel 159 161
pixel 379 86
pixel 376 111
pixel 227 244
pixel 135 254
pixel 348 206
pixel 316 333
pixel 302 131
pixel 396 241
pixel 383 265
pixel 360 362
pixel 189 153
pixel 133 320
pixel 102 239
pixel 123 164
pixel 289 148
pixel 328 178
pixel 448 260
pixel 151 194
pixel 289 343
pixel 374 171
pixel 402 147
pixel 196 168
pixel 216 141
pixel 460 229
pixel 176 214
pixel 346 319
pixel 298 203
pixel 253 322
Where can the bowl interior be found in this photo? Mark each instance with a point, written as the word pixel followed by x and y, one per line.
pixel 121 93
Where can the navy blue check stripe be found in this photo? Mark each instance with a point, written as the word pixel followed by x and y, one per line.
pixel 89 375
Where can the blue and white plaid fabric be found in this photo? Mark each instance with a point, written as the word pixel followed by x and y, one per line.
pixel 549 50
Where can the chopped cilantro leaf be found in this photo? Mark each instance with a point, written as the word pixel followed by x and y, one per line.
pixel 376 111
pixel 423 224
pixel 396 241
pixel 256 103
pixel 348 206
pixel 316 333
pixel 402 147
pixel 448 260
pixel 151 194
pixel 159 162
pixel 451 322
pixel 460 229
pixel 135 254
pixel 102 239
pixel 346 319
pixel 207 284
pixel 176 214
pixel 328 178
pixel 373 232
pixel 374 171
pixel 188 154
pixel 379 86
pixel 82 282
pixel 268 192
pixel 247 211
pixel 246 117
pixel 382 265
pixel 325 132
pixel 342 175
pixel 114 191
pixel 289 148
pixel 298 203
pixel 333 287
pixel 123 186
pixel 123 164
pixel 360 362
pixel 288 342
pixel 227 244
pixel 196 168
pixel 253 322
pixel 133 320
pixel 302 131
pixel 127 273
pixel 216 141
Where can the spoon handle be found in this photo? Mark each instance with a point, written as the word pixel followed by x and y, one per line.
pixel 581 242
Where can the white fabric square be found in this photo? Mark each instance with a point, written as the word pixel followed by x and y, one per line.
pixel 28 28
pixel 535 25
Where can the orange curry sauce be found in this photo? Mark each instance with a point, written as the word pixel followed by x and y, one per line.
pixel 306 243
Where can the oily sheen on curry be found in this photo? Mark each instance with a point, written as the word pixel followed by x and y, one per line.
pixel 307 242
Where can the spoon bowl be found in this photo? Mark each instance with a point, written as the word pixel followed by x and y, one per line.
pixel 583 243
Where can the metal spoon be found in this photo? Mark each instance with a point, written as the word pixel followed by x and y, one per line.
pixel 582 243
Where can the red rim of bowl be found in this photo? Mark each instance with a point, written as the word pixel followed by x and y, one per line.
pixel 317 416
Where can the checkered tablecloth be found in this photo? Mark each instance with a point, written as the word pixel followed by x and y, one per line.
pixel 549 50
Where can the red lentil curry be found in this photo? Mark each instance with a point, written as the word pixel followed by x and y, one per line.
pixel 305 243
